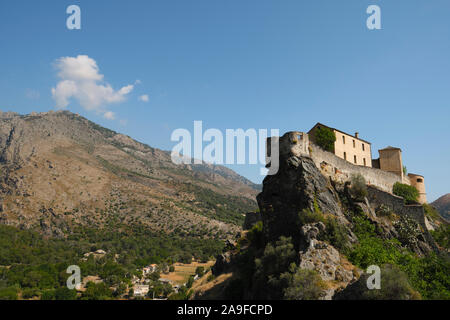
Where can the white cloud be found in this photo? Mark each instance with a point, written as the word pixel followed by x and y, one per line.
pixel 109 115
pixel 144 98
pixel 82 81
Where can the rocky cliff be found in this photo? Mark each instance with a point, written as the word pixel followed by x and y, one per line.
pixel 308 223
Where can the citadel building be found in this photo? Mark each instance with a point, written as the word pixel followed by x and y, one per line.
pixel 353 155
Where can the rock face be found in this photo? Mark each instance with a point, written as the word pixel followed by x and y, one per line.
pixel 251 218
pixel 319 214
pixel 59 170
pixel 325 260
pixel 297 186
pixel 222 262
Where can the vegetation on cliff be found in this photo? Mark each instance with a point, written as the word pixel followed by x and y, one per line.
pixel 325 138
pixel 304 215
pixel 407 192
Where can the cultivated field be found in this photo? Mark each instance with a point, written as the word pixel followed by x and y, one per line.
pixel 184 271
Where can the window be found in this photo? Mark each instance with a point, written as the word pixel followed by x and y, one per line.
pixel 354 157
pixel 364 160
pixel 299 137
pixel 343 139
pixel 345 155
pixel 354 144
pixel 420 180
pixel 363 147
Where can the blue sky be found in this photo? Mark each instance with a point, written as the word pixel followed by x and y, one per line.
pixel 247 64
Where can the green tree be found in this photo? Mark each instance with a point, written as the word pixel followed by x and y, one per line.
pixel 325 138
pixel 65 294
pixel 200 271
pixel 9 293
pixel 442 235
pixel 97 291
pixel 190 282
pixel 48 295
pixel 407 192
pixel 303 284
pixel 277 258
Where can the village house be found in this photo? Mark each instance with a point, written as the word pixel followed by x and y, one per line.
pixel 149 269
pixel 141 290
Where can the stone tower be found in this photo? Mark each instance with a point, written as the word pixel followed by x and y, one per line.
pixel 419 182
pixel 391 160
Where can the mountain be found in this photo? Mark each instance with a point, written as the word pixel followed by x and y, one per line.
pixel 60 171
pixel 443 206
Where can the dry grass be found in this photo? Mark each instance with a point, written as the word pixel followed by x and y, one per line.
pixel 184 271
pixel 204 289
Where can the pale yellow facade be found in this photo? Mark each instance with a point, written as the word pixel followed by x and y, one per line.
pixel 350 148
pixel 353 149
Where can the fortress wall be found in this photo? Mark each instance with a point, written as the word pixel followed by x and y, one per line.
pixel 341 170
pixel 396 204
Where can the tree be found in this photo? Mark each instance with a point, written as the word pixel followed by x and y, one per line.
pixel 8 293
pixel 394 286
pixel 304 285
pixel 407 192
pixel 97 291
pixel 154 276
pixel 190 282
pixel 200 271
pixel 276 260
pixel 325 138
pixel 64 293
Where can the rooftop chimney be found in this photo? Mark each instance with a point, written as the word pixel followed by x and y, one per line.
pixel 357 135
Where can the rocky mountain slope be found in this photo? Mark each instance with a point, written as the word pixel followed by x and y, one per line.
pixel 59 170
pixel 443 206
pixel 314 238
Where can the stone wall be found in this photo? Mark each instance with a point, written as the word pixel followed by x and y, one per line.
pixel 340 170
pixel 377 197
pixel 298 144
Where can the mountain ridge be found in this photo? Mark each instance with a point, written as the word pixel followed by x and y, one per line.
pixel 59 169
pixel 442 204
